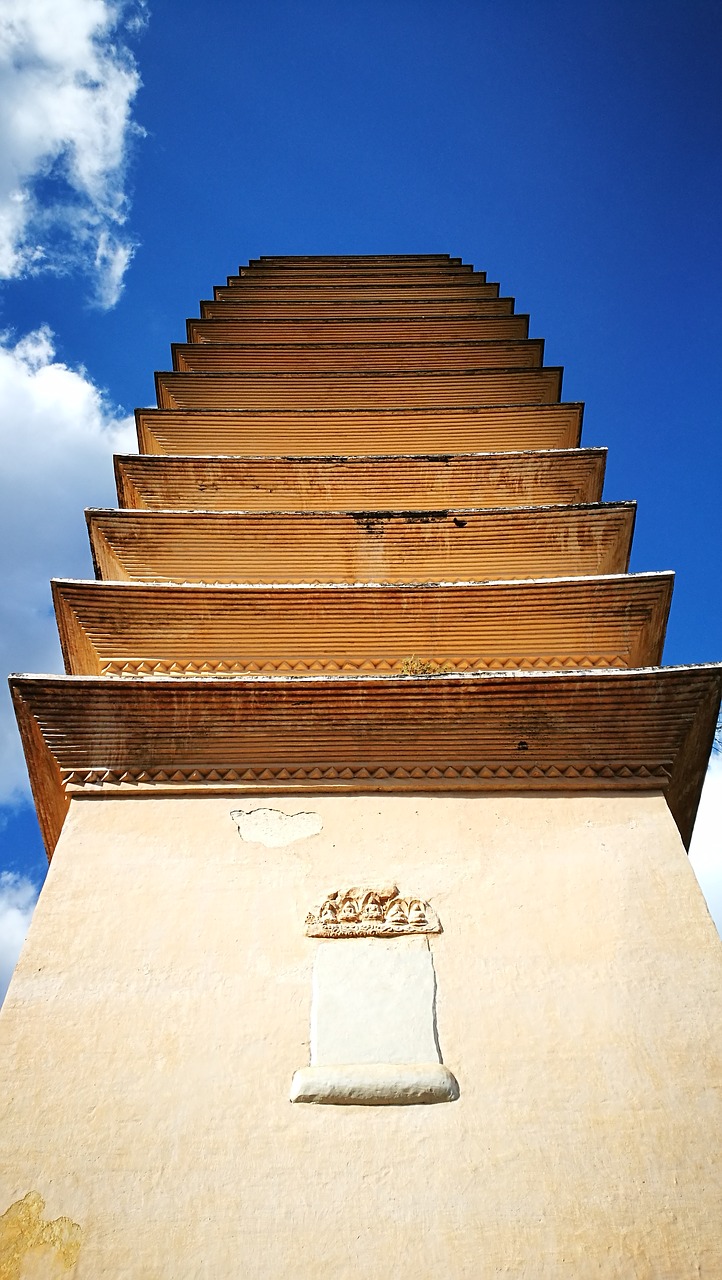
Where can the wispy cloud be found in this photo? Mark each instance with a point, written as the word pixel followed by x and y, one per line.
pixel 67 84
pixel 57 437
pixel 18 896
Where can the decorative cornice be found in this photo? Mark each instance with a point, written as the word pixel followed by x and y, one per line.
pixel 510 773
pixel 620 730
pixel 136 629
pixel 327 666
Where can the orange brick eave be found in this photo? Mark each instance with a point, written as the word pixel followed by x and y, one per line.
pixel 641 730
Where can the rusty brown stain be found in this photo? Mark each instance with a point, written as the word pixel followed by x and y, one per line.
pixel 25 1234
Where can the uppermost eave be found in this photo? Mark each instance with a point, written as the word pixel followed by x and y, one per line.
pixel 351 271
pixel 313 258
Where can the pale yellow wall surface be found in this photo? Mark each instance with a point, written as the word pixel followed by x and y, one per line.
pixel 162 1004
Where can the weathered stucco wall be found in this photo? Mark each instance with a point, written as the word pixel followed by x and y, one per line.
pixel 162 1004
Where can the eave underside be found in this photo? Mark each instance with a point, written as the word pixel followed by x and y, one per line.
pixel 332 328
pixel 361 432
pixel 645 730
pixel 312 307
pixel 349 391
pixel 127 629
pixel 361 546
pixel 332 483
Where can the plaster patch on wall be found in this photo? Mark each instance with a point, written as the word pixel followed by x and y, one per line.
pixel 274 828
pixel 31 1244
pixel 374 1000
pixel 373 1026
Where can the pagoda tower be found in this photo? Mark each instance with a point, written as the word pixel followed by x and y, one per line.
pixel 369 945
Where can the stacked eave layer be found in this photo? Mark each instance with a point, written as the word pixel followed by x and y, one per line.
pixel 611 730
pixel 121 628
pixel 361 546
pixel 359 432
pixel 331 483
pixel 360 468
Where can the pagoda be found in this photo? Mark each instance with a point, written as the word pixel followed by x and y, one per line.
pixel 369 944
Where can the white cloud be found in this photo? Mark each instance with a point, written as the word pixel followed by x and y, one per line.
pixel 18 896
pixel 111 261
pixel 57 437
pixel 67 84
pixel 705 852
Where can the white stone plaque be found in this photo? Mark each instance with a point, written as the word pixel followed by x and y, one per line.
pixel 373 1026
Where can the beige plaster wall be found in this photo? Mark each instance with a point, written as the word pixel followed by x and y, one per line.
pixel 162 1004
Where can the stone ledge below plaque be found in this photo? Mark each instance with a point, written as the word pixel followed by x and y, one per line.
pixel 387 1084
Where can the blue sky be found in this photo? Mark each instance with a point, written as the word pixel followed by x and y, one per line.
pixel 570 150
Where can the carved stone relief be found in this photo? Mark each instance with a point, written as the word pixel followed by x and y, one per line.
pixel 374 1040
pixel 365 911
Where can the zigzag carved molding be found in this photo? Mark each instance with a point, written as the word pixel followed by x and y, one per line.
pixel 314 666
pixel 264 775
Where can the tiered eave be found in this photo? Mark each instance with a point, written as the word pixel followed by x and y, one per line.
pixel 362 549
